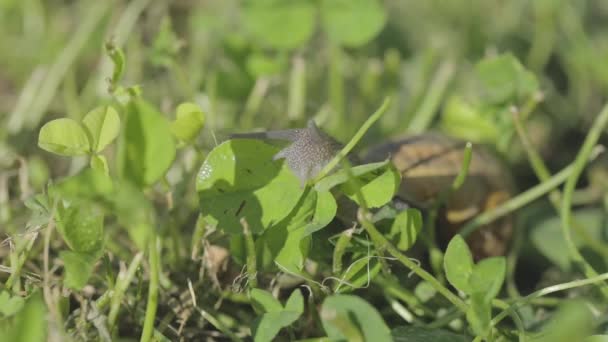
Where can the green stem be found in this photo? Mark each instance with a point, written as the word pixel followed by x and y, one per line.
pixel 428 109
pixel 517 202
pixel 121 287
pixel 336 85
pixel 252 268
pixel 435 253
pixel 543 174
pixel 148 329
pixel 546 291
pixel 296 98
pixel 22 255
pixel 355 139
pixel 339 250
pixel 31 115
pixel 383 244
pixel 566 213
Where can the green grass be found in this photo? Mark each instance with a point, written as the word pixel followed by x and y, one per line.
pixel 127 214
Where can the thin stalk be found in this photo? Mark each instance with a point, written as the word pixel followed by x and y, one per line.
pixel 30 116
pixel 339 250
pixel 121 287
pixel 252 268
pixel 546 291
pixel 218 324
pixel 148 328
pixel 566 213
pixel 354 140
pixel 435 253
pixel 21 258
pixel 428 109
pixel 543 173
pixel 517 202
pixel 383 244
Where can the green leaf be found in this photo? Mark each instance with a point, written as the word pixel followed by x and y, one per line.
pixel 102 125
pixel 239 179
pixel 359 315
pixel 378 188
pixel 148 149
pixel 295 303
pixel 504 79
pixel 341 176
pixel 406 226
pixel 596 338
pixel 325 211
pixel 78 268
pixel 280 24
pixel 65 137
pixel 479 314
pixel 81 226
pixel 263 301
pixel 268 325
pixel 259 65
pixel 29 324
pixel 546 236
pixel 189 120
pixel 463 119
pixel 488 276
pixel 99 163
pixel 423 334
pixel 458 264
pixel 10 305
pixel 352 23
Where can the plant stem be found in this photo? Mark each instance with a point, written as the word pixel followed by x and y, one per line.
pixel 121 287
pixel 383 244
pixel 428 109
pixel 148 328
pixel 21 257
pixel 543 174
pixel 517 202
pixel 251 255
pixel 354 140
pixel 566 213
pixel 546 291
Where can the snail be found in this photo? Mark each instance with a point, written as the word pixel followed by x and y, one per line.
pixel 428 164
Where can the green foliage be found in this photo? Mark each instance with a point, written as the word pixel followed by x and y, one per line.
pixel 28 324
pixel 148 148
pixel 405 228
pixel 280 24
pixel 65 137
pixel 422 334
pixel 78 268
pixel 102 125
pixel 481 282
pixel 242 171
pixel 274 316
pixel 352 23
pixel 189 120
pixel 350 318
pixel 9 305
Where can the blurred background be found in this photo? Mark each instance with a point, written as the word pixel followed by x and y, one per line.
pixel 463 67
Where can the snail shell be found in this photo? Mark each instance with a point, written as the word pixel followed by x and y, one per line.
pixel 429 163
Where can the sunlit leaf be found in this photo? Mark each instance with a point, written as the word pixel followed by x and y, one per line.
pixel 239 179
pixel 342 313
pixel 458 264
pixel 102 125
pixel 65 137
pixel 148 149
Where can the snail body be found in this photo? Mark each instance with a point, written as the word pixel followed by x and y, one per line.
pixel 428 164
